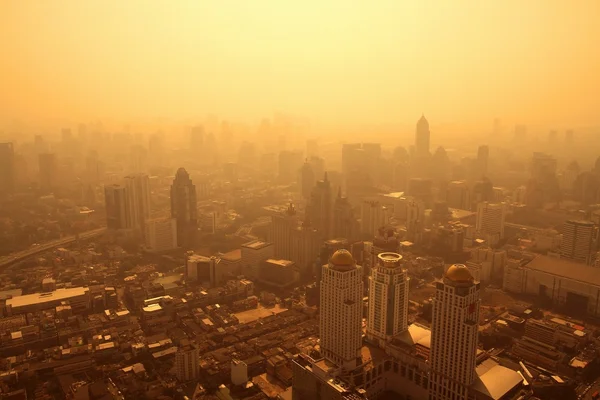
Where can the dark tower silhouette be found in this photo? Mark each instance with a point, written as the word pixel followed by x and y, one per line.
pixel 183 208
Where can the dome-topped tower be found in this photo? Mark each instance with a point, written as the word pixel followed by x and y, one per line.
pixel 459 273
pixel 342 260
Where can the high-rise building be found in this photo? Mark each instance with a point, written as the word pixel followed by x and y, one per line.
pixel 48 172
pixel 160 234
pixel 490 219
pixel 579 240
pixel 341 310
pixel 253 254
pixel 184 208
pixel 138 191
pixel 373 217
pixel 345 224
pixel 422 136
pixel 454 329
pixel 318 166
pixel 307 180
pixel 7 168
pixel 290 163
pixel 281 228
pixel 187 363
pixel 483 156
pixel 319 208
pixel 116 201
pixel 306 243
pixel 388 298
pixel 458 195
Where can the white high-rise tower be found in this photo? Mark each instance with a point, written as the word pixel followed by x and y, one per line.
pixel 341 310
pixel 388 298
pixel 454 335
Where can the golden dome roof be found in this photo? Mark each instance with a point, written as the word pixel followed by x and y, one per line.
pixel 459 273
pixel 342 259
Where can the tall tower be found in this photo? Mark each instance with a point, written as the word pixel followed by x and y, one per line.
pixel 341 310
pixel 454 335
pixel 579 240
pixel 48 172
pixel 388 298
pixel 373 217
pixel 307 179
pixel 7 168
pixel 319 208
pixel 422 137
pixel 344 223
pixel 183 208
pixel 281 230
pixel 116 207
pixel 138 191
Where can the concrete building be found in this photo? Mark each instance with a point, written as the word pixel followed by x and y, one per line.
pixel 564 283
pixel 373 217
pixel 77 297
pixel 48 167
pixel 184 208
pixel 579 241
pixel 282 225
pixel 307 180
pixel 490 221
pixel 7 168
pixel 160 234
pixel 341 310
pixel 138 204
pixel 278 273
pixel 454 331
pixel 458 195
pixel 204 270
pixel 388 299
pixel 187 363
pixel 117 207
pixel 253 254
pixel 319 208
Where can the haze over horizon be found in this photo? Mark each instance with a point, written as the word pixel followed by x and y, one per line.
pixel 534 62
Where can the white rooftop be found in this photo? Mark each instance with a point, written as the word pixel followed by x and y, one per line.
pixel 40 298
pixel 494 380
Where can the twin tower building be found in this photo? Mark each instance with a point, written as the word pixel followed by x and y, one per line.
pixel 451 358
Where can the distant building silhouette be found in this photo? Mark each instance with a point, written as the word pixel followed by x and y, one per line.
pixel 7 168
pixel 184 208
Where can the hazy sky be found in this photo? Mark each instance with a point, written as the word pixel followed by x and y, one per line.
pixel 336 60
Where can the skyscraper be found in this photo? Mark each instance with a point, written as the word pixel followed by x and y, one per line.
pixel 454 330
pixel 281 230
pixel 579 241
pixel 373 217
pixel 307 180
pixel 116 207
pixel 138 192
pixel 490 220
pixel 422 136
pixel 458 195
pixel 341 310
pixel 183 208
pixel 388 298
pixel 48 172
pixel 483 156
pixel 7 168
pixel 345 224
pixel 319 208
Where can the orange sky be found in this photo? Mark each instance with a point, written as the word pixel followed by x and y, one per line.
pixel 535 61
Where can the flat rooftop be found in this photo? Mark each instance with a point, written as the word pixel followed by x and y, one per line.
pixel 48 297
pixel 279 263
pixel 233 255
pixel 256 245
pixel 566 269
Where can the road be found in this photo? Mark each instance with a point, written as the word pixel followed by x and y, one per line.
pixel 21 255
